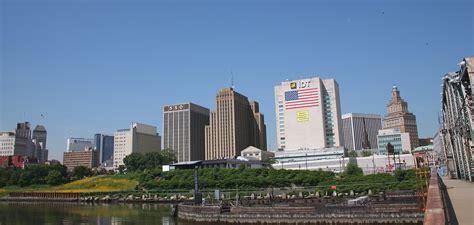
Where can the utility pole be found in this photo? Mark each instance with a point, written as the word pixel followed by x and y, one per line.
pixel 373 162
pixel 394 161
pixel 306 161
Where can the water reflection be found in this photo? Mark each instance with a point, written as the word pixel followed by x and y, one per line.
pixel 84 214
pixel 89 214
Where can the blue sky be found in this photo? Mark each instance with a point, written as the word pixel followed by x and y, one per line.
pixel 96 66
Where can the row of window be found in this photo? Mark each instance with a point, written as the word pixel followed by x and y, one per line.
pixel 6 153
pixel 6 145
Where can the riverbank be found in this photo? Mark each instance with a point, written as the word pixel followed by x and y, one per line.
pixel 302 215
pixel 400 207
pixel 116 183
pixel 343 208
pixel 336 214
pixel 92 198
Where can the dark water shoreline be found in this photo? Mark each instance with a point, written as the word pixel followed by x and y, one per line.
pixel 115 213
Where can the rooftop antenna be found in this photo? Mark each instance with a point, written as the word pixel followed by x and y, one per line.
pixel 232 79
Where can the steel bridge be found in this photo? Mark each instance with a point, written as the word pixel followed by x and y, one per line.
pixel 458 121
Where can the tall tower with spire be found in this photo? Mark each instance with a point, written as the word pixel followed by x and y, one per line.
pixel 398 117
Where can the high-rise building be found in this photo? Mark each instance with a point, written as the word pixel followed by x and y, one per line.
pixel 21 143
pixel 104 144
pixel 183 130
pixel 79 144
pixel 359 127
pixel 235 125
pixel 40 150
pixel 23 139
pixel 308 114
pixel 399 117
pixel 7 143
pixel 399 140
pixel 140 138
pixel 88 158
pixel 258 126
pixel 40 134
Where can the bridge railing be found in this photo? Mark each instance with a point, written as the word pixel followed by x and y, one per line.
pixel 434 213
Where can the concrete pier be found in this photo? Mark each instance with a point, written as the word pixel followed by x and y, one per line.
pixel 302 215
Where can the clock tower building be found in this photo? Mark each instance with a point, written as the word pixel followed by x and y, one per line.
pixel 398 117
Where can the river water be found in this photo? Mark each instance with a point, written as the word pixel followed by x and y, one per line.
pixel 85 214
pixel 22 213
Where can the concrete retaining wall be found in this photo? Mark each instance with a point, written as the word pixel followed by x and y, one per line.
pixel 303 215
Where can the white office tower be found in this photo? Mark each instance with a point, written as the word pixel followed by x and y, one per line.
pixel 308 114
pixel 140 138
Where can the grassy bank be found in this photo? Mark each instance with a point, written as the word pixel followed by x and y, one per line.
pixel 92 184
pixel 156 181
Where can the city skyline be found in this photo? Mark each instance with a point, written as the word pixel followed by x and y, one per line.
pixel 66 70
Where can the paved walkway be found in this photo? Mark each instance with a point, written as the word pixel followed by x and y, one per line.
pixel 461 194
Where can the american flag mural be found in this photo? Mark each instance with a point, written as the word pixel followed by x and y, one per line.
pixel 303 98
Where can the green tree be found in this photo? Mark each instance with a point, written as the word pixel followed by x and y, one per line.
pixel 121 169
pixel 352 154
pixel 151 160
pixel 402 175
pixel 353 170
pixel 366 153
pixel 167 156
pixel 54 178
pixel 80 172
pixel 25 178
pixel 134 162
pixel 269 161
pixel 60 168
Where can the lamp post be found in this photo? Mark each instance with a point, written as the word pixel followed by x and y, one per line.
pixel 197 195
pixel 196 180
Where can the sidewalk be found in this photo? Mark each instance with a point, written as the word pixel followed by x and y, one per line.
pixel 461 194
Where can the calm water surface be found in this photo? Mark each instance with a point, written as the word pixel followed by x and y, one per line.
pixel 84 214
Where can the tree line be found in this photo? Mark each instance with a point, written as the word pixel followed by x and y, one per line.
pixel 58 174
pixel 41 175
pixel 244 178
pixel 146 168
